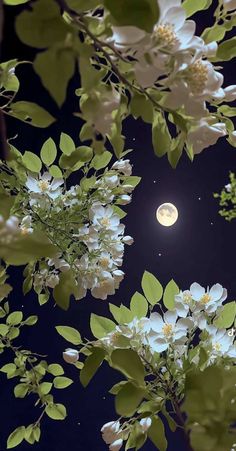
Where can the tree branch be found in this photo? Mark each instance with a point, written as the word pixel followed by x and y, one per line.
pixel 3 135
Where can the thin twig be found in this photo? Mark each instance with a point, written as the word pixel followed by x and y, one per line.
pixel 3 134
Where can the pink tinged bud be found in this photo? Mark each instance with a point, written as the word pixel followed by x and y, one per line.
pixel 145 424
pixel 71 355
pixel 128 240
pixel 116 446
pixel 112 426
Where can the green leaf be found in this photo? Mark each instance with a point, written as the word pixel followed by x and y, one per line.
pixel 32 162
pixel 45 388
pixel 156 433
pixel 128 399
pixel 101 326
pixel 81 154
pixel 227 110
pixel 152 288
pixel 55 172
pixel 191 7
pixel 62 382
pixel 91 365
pixel 67 144
pixel 227 316
pixel 31 320
pixel 56 67
pixel 6 203
pixel 27 248
pixel 9 369
pixel 21 390
pixel 139 305
pixel 16 437
pixel 141 106
pixel 143 14
pixel 161 138
pixel 3 330
pixel 56 411
pixel 15 2
pixel 31 113
pixel 129 363
pixel 55 369
pixel 171 290
pixel 14 318
pixel 116 312
pixel 48 152
pixel 227 50
pixel 42 25
pixel 65 289
pixel 70 334
pixel 101 161
pixel 215 33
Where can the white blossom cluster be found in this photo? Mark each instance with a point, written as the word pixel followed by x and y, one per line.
pixel 83 224
pixel 114 435
pixel 9 229
pixel 175 61
pixel 172 333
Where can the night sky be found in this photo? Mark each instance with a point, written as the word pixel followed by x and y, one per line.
pixel 199 247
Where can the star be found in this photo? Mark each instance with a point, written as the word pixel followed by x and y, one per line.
pixel 154 181
pixel 159 254
pixel 199 198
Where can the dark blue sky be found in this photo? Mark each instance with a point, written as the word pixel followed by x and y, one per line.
pixel 199 247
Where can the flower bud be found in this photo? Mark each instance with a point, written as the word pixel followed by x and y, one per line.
pixel 230 93
pixel 128 240
pixel 116 446
pixel 145 423
pixel 71 355
pixel 124 199
pixel 123 166
pixel 228 187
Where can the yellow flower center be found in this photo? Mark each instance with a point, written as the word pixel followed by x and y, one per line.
pixel 167 330
pixel 24 231
pixel 104 262
pixel 105 221
pixel 43 185
pixel 187 298
pixel 205 299
pixel 217 346
pixel 197 76
pixel 165 35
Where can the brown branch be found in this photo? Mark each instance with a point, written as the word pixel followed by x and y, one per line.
pixel 3 134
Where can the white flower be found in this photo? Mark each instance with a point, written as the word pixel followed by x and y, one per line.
pixel 45 185
pixel 90 237
pixel 145 423
pixel 52 280
pixel 167 330
pixel 127 37
pixel 59 263
pixel 228 187
pixel 229 5
pixel 102 119
pixel 193 86
pixel 26 225
pixel 104 218
pixel 104 287
pixel 110 431
pixel 183 300
pixel 123 166
pixel 71 355
pixel 209 300
pixel 222 344
pixel 205 134
pixel 116 446
pixel 12 224
pixel 111 181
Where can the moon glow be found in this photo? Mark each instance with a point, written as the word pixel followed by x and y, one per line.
pixel 167 214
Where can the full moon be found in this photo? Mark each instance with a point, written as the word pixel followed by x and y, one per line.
pixel 167 214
